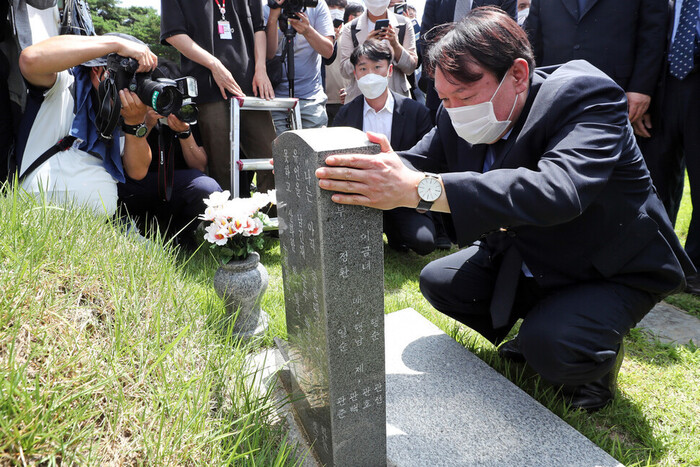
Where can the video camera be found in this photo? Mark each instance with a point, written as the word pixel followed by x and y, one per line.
pixel 290 8
pixel 164 95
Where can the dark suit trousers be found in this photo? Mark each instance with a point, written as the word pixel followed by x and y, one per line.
pixel 407 227
pixel 569 335
pixel 675 140
pixel 190 187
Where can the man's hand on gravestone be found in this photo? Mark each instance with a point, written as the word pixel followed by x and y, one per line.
pixel 379 181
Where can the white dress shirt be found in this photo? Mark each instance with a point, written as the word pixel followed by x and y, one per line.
pixel 379 122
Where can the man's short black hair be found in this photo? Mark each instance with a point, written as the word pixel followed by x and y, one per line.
pixel 353 9
pixel 374 50
pixel 487 37
pixel 337 3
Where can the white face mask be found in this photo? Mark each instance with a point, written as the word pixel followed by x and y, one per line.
pixel 377 7
pixel 372 85
pixel 477 124
pixel 522 15
pixel 337 14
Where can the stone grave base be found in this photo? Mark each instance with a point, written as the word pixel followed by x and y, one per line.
pixel 446 407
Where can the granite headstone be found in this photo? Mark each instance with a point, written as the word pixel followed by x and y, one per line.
pixel 333 272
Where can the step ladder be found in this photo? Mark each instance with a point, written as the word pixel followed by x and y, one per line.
pixel 255 103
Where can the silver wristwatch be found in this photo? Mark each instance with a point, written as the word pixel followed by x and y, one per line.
pixel 429 190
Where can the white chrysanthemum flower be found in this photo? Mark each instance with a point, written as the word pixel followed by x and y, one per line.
pixel 218 198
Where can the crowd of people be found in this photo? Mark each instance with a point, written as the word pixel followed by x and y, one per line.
pixel 548 138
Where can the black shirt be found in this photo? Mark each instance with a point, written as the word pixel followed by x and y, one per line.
pixel 199 20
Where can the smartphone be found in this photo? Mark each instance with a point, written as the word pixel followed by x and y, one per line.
pixel 380 24
pixel 337 22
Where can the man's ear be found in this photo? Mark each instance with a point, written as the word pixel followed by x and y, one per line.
pixel 521 73
pixel 391 70
pixel 95 75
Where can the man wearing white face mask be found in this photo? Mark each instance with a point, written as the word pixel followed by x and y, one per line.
pixel 550 196
pixel 398 34
pixel 403 121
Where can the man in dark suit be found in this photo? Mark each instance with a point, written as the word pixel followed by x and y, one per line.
pixel 622 38
pixel 403 121
pixel 437 12
pixel 671 129
pixel 549 194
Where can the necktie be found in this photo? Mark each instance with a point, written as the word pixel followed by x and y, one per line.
pixel 682 50
pixel 581 6
pixel 462 7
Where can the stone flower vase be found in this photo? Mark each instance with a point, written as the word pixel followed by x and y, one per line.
pixel 241 284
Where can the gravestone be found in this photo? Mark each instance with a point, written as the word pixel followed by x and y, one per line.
pixel 333 271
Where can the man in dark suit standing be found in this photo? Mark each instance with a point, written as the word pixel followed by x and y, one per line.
pixel 672 129
pixel 548 193
pixel 437 12
pixel 622 38
pixel 403 121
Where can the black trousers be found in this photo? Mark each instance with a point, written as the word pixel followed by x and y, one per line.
pixel 569 335
pixel 675 143
pixel 409 228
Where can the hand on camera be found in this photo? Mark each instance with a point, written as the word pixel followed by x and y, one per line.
pixel 140 52
pixel 302 24
pixel 133 110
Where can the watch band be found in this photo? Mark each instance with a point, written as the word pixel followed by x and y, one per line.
pixel 184 134
pixel 139 130
pixel 424 205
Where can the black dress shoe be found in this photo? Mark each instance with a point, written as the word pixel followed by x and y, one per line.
pixel 692 284
pixel 511 350
pixel 597 394
pixel 443 242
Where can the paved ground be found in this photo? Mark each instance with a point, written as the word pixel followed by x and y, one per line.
pixel 672 325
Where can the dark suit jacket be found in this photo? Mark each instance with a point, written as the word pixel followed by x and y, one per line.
pixel 569 185
pixel 411 120
pixel 438 12
pixel 623 38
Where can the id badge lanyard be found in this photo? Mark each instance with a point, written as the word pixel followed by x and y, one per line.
pixel 224 27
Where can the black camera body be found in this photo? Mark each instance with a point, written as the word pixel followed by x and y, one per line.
pixel 290 8
pixel 165 96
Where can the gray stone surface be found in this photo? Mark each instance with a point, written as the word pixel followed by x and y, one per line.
pixel 333 271
pixel 669 324
pixel 446 407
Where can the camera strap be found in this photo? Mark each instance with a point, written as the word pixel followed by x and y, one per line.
pixel 110 106
pixel 63 144
pixel 166 162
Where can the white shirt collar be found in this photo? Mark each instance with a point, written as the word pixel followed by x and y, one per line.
pixel 388 106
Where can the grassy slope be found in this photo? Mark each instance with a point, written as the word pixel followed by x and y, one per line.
pixel 115 351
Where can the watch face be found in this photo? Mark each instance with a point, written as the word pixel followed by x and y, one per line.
pixel 429 189
pixel 141 131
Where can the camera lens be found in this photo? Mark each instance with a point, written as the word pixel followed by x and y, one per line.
pixel 163 98
pixel 188 113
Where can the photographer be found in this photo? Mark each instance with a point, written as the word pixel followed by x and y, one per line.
pixel 311 30
pixel 80 164
pixel 222 44
pixel 173 191
pixel 380 23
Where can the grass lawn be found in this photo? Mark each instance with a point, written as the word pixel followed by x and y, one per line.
pixel 114 350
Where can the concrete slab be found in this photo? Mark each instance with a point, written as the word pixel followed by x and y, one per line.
pixel 446 407
pixel 672 325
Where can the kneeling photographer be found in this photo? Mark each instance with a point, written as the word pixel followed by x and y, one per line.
pixel 299 32
pixel 172 192
pixel 69 147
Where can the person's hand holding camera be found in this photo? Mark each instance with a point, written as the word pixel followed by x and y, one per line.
pixel 177 125
pixel 133 110
pixel 139 52
pixel 301 25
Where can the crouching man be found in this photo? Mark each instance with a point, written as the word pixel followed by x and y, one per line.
pixel 550 199
pixel 69 143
